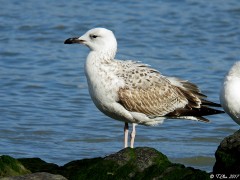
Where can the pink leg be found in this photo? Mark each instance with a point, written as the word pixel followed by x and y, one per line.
pixel 126 135
pixel 133 134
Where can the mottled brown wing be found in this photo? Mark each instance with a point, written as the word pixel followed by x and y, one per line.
pixel 147 91
pixel 154 100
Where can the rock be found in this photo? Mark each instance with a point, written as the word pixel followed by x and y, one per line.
pixel 11 167
pixel 36 176
pixel 79 168
pixel 142 157
pixel 137 163
pixel 38 165
pixel 228 155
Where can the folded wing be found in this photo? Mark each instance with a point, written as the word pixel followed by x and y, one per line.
pixel 147 91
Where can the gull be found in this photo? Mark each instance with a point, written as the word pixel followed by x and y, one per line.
pixel 230 93
pixel 133 92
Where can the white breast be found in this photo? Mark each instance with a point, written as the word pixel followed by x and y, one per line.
pixel 103 84
pixel 230 97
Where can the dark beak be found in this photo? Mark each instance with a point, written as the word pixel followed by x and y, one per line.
pixel 74 40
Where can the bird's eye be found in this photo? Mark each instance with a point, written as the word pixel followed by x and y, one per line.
pixel 93 36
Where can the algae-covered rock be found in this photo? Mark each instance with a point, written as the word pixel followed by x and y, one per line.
pixel 180 172
pixel 228 155
pixel 80 168
pixel 38 165
pixel 137 163
pixel 125 164
pixel 36 176
pixel 11 167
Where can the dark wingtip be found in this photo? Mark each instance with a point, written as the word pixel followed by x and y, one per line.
pixel 209 103
pixel 195 112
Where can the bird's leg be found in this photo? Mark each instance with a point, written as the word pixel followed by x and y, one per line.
pixel 126 135
pixel 133 134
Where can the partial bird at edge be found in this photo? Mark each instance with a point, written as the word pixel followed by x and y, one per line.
pixel 230 93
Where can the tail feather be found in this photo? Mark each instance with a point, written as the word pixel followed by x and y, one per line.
pixel 195 112
pixel 202 119
pixel 209 103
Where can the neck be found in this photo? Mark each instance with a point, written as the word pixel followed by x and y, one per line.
pixel 101 56
pixel 95 63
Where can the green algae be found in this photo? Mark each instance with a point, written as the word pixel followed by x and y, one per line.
pixel 136 163
pixel 11 167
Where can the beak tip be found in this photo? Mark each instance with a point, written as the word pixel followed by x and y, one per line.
pixel 74 40
pixel 69 41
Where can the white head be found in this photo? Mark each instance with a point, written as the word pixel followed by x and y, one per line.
pixel 98 39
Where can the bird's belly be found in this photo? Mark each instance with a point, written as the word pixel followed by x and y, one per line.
pixel 104 93
pixel 101 95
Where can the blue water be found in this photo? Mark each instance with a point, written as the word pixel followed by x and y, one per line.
pixel 45 108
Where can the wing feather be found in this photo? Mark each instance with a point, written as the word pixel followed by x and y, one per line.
pixel 157 99
pixel 147 91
